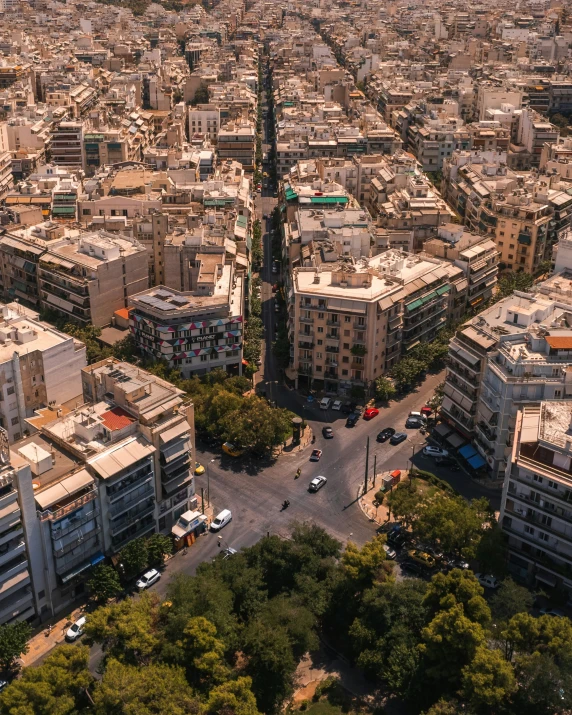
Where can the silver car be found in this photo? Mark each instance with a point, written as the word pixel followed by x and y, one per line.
pixel 317 483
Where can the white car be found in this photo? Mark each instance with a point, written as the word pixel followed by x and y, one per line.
pixel 148 579
pixel 389 552
pixel 337 405
pixel 75 630
pixel 435 452
pixel 487 581
pixel 317 483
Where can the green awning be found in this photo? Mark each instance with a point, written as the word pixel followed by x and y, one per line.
pixel 288 104
pixel 218 202
pixel 64 210
pixel 415 304
pixel 290 195
pixel 443 289
pixel 65 197
pixel 241 221
pixel 329 199
pixel 429 297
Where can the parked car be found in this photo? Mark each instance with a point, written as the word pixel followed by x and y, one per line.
pixel 419 416
pixel 389 552
pixel 426 411
pixel 385 434
pixel 231 450
pixel 422 558
pixel 325 403
pixel 275 267
pixel 316 455
pixel 549 611
pixel 316 484
pixel 75 631
pixel 227 553
pixel 398 438
pixel 431 451
pixel 199 469
pixel 346 408
pixel 413 423
pixel 413 567
pixel 352 419
pixel 276 306
pixel 328 432
pixel 337 405
pixel 370 413
pixel 397 538
pixel 487 581
pixel 148 579
pixel 221 520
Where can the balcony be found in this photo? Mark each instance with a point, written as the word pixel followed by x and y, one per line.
pixel 12 549
pixel 68 508
pixel 307 334
pixel 74 523
pixel 143 527
pixel 124 522
pixel 453 368
pixel 306 320
pixel 125 486
pixel 330 336
pixel 120 507
pixel 489 435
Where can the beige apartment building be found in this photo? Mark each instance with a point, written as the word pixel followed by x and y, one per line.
pixel 351 320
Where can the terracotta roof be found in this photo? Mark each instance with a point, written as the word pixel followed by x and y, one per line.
pixel 559 343
pixel 123 313
pixel 116 418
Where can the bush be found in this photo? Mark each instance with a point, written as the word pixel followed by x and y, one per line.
pixel 379 496
pixel 434 481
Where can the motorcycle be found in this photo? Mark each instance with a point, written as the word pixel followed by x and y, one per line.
pixel 298 473
pixel 285 504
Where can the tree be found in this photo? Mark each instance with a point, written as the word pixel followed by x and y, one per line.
pixel 457 587
pixel 445 707
pixel 509 600
pixel 14 639
pixel 158 546
pixel 543 687
pixel 128 631
pixel 509 282
pixel 406 371
pixel 57 687
pixel 104 584
pixel 492 551
pixel 449 643
pixel 156 689
pixel 234 697
pixel 488 680
pixel 384 389
pixel 364 566
pixel 204 654
pixel 133 557
pixel 454 523
pixel 405 502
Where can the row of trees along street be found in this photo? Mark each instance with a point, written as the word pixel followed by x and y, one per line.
pixel 229 640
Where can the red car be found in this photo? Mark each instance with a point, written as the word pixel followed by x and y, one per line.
pixel 315 456
pixel 370 413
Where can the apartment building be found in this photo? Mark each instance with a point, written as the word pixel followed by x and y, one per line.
pixel 39 366
pixel 204 119
pixel 535 512
pixel 89 279
pixel 477 255
pixel 196 331
pixel 237 142
pixel 350 320
pixel 67 145
pixel 92 479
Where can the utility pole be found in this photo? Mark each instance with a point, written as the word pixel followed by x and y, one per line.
pixel 374 468
pixel 366 466
pixel 203 499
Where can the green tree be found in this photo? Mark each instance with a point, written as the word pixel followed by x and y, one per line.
pixel 234 697
pixel 14 639
pixel 509 600
pixel 457 587
pixel 509 282
pixel 57 687
pixel 256 426
pixel 384 389
pixel 157 689
pixel 204 654
pixel 488 681
pixel 445 707
pixel 104 584
pixel 366 565
pixel 449 643
pixel 492 551
pixel 133 557
pixel 406 371
pixel 158 546
pixel 128 631
pixel 544 688
pixel 405 502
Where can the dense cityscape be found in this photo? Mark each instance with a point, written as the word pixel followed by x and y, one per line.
pixel 285 357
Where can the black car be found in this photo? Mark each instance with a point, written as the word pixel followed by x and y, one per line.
pixel 328 432
pixel 414 568
pixel 346 409
pixel 385 434
pixel 396 538
pixel 413 423
pixel 352 420
pixel 398 438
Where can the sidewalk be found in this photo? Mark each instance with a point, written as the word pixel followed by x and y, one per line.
pixel 41 643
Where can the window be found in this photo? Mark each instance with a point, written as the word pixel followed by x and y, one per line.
pixel 542 536
pixel 552 485
pixel 346 346
pixel 204 358
pixel 319 356
pixel 347 319
pixel 321 316
pixel 528 530
pixel 318 368
pixel 320 342
pixel 537 479
pixel 344 372
pixel 557 393
pixel 15 421
pixel 345 358
pixel 10 391
pixel 501 233
pixel 346 333
pixel 320 330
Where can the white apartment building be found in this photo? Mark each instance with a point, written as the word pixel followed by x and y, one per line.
pixel 536 509
pixel 39 366
pixel 204 119
pixel 67 145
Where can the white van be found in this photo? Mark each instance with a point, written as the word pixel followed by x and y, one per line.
pixel 221 520
pixel 418 416
pixel 325 403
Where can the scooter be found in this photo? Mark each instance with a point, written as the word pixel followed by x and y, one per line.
pixel 298 473
pixel 285 504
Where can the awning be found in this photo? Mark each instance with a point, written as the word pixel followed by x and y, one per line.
pixel 63 489
pixel 467 451
pixel 443 289
pixel 411 306
pixel 329 199
pixel 55 260
pixel 465 355
pixel 79 569
pixel 476 462
pixel 176 431
pixel 546 578
pixel 455 440
pixel 123 456
pixel 442 430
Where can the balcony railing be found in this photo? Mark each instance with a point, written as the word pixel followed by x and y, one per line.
pixel 72 506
